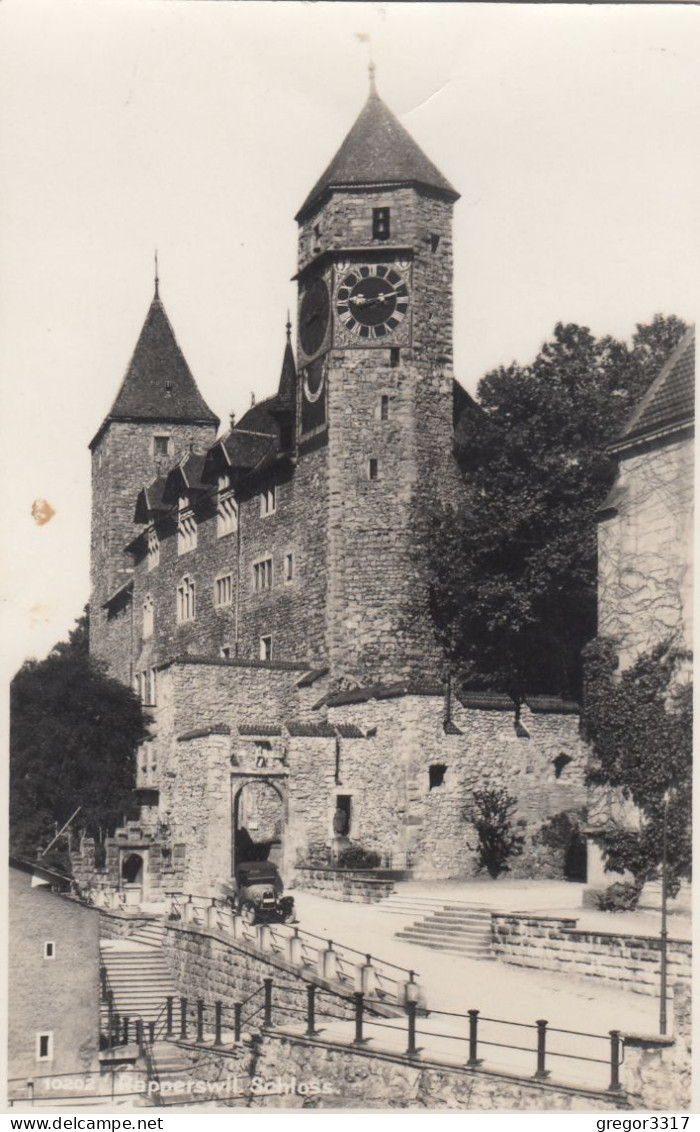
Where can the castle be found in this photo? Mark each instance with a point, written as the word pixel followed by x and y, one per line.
pixel 264 590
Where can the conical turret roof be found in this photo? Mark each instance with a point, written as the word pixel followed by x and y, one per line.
pixel 377 151
pixel 158 385
pixel 287 390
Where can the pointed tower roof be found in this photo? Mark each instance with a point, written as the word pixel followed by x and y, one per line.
pixel 287 391
pixel 158 385
pixel 377 151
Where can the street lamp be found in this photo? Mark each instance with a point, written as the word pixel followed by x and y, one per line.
pixel 664 932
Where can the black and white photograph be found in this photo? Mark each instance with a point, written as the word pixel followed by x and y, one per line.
pixel 348 364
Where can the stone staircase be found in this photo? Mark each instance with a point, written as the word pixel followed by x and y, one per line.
pixel 460 929
pixel 149 934
pixel 138 976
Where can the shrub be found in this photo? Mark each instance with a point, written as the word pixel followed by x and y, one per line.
pixel 619 897
pixel 357 857
pixel 491 814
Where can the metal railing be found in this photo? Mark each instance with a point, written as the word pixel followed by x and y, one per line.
pixel 462 1042
pixel 318 955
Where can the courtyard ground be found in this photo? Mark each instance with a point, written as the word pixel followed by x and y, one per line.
pixel 499 990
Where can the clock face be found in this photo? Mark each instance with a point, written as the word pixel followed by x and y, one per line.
pixel 313 317
pixel 372 300
pixel 313 380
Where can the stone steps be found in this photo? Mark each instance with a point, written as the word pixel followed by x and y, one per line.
pixel 139 979
pixel 454 928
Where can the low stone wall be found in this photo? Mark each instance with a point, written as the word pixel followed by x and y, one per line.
pixel 294 1073
pixel 206 965
pixel 116 925
pixel 556 944
pixel 342 884
pixel 656 1071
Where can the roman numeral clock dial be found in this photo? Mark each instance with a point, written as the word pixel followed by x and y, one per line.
pixel 371 304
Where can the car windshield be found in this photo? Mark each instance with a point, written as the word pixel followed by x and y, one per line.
pixel 257 872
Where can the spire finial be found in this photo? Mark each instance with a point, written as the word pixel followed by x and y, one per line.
pixel 156 296
pixel 365 38
pixel 289 327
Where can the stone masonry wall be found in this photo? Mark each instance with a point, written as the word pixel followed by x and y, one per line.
pixel 205 966
pixel 122 463
pixel 645 550
pixel 401 817
pixel 554 944
pixel 59 995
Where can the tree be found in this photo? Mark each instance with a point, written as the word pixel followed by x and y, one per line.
pixel 73 737
pixel 491 815
pixel 640 726
pixel 513 569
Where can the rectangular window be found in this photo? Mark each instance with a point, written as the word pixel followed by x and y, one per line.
pixel 49 949
pixel 373 469
pixel 147 627
pixel 288 567
pixel 266 648
pixel 384 408
pixel 262 575
pixel 153 549
pixel 381 223
pixel 152 688
pixel 44 1046
pixel 161 445
pixel 223 590
pixel 394 356
pixel 226 515
pixel 268 501
pixel 186 532
pixel 185 600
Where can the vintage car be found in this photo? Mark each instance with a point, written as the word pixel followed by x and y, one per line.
pixel 256 893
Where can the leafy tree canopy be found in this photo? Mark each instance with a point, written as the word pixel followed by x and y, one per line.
pixel 73 737
pixel 640 726
pixel 513 569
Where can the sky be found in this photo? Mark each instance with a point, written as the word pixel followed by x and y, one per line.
pixel 198 128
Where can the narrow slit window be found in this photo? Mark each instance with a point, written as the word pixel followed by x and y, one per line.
pixel 266 648
pixel 373 468
pixel 49 949
pixel 381 223
pixel 289 567
pixel 384 407
pixel 394 357
pixel 44 1047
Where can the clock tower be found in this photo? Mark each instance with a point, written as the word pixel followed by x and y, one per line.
pixel 376 389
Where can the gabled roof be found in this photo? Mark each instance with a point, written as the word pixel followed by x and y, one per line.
pixel 185 477
pixel 377 151
pixel 669 402
pixel 158 385
pixel 150 500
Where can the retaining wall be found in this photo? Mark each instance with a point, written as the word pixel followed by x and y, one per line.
pixel 556 944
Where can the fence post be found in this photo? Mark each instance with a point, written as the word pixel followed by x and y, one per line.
pixel 126 1029
pixel 183 1018
pixel 412 1050
pixel 237 1011
pixel 30 1092
pixel 152 1032
pixel 474 1059
pixel 541 1048
pixel 169 1016
pixel 311 1030
pixel 139 1034
pixel 115 1029
pixel 294 949
pixel 360 1040
pixel 328 963
pixel 110 1019
pixel 267 1014
pixel 217 1023
pixel 200 1019
pixel 614 1086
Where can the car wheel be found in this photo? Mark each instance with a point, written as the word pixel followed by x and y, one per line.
pixel 248 912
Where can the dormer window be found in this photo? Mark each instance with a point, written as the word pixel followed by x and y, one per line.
pixel 381 223
pixel 268 501
pixel 186 527
pixel 153 553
